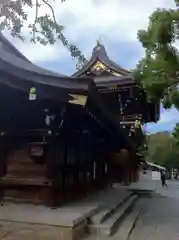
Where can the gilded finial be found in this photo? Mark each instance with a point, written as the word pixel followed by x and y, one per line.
pixel 97 42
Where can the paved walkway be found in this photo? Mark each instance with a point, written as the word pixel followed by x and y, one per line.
pixel 171 192
pixel 27 222
pixel 159 218
pixel 68 215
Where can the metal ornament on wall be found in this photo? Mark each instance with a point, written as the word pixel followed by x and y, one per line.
pixel 62 115
pixel 120 103
pixel 137 123
pixel 49 119
pixel 124 104
pixel 32 94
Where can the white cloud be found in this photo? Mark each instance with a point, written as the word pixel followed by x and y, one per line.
pixel 37 52
pixel 86 20
pixel 116 18
pixel 169 116
pixel 167 122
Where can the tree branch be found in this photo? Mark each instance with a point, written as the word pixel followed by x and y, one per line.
pixel 35 20
pixel 52 10
pixel 44 28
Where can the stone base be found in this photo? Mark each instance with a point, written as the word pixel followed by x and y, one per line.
pixel 21 231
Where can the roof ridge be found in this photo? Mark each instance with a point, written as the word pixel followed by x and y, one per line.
pixel 99 53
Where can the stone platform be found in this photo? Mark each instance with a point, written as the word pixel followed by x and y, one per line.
pixel 27 221
pixel 142 185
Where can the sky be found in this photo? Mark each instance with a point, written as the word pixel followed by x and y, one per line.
pixel 114 22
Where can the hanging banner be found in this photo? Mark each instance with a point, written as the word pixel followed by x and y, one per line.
pixel 32 94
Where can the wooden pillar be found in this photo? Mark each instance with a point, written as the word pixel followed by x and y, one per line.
pixel 92 171
pixel 58 152
pixel 103 177
pixel 83 161
pixel 3 155
pixel 52 160
pixel 101 172
pixel 98 171
pixel 83 168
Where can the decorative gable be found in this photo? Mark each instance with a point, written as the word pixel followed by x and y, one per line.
pixel 100 64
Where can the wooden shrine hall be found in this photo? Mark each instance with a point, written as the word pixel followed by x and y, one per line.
pixel 59 139
pixel 127 103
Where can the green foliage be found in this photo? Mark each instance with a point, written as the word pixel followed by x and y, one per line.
pixel 158 72
pixel 44 28
pixel 163 149
pixel 176 134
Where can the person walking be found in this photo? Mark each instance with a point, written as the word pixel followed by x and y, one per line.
pixel 163 179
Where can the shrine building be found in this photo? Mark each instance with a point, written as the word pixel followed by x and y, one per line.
pixel 62 137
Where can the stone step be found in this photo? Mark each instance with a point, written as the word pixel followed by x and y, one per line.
pixel 128 224
pixel 109 227
pixel 123 232
pixel 109 209
pixel 143 194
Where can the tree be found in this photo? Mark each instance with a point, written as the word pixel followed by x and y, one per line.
pixel 176 134
pixel 44 28
pixel 163 150
pixel 158 72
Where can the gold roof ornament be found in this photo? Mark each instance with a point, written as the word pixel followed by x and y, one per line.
pixel 114 73
pixel 137 123
pixel 78 99
pixel 98 66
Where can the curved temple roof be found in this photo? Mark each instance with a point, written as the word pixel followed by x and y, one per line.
pixel 8 46
pixel 99 54
pixel 16 64
pixel 17 71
